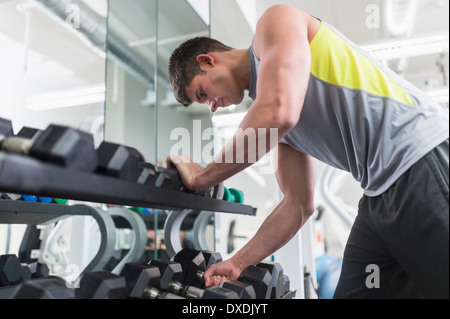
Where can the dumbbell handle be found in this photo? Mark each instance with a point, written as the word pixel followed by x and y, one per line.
pixel 153 293
pixel 16 144
pixel 189 292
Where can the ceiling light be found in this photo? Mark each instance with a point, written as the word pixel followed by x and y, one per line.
pixel 408 47
pixel 67 98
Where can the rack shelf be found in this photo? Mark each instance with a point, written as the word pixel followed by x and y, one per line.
pixel 25 175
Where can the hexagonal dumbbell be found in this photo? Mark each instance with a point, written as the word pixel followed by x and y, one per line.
pixel 44 288
pixel 260 279
pixel 10 270
pixel 280 282
pixel 101 285
pixel 61 145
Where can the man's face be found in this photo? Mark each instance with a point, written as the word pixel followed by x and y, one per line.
pixel 215 88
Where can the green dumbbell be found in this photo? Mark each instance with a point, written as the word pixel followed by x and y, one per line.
pixel 233 195
pixel 60 201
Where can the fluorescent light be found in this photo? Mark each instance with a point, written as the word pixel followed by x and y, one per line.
pixel 409 47
pixel 67 98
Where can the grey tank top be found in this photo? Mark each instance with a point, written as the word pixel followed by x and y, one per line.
pixel 359 116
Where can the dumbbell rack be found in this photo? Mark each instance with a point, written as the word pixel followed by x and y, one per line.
pixel 26 175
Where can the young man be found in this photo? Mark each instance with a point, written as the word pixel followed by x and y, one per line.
pixel 331 101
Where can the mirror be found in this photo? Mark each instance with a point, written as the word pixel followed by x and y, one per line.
pixel 52 71
pixel 180 129
pixel 130 75
pixel 140 109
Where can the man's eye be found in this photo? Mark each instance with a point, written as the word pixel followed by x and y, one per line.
pixel 202 96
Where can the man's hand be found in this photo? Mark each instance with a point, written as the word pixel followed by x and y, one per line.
pixel 218 273
pixel 188 170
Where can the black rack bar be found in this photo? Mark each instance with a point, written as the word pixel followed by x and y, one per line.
pixel 25 175
pixel 22 212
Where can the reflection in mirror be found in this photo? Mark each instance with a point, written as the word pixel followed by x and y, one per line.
pixel 52 72
pixel 179 21
pixel 180 130
pixel 130 86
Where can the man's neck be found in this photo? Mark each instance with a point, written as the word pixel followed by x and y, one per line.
pixel 239 64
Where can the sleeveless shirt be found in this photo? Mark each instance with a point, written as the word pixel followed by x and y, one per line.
pixel 360 116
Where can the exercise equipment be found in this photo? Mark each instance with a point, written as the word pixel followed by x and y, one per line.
pixel 260 279
pixel 101 285
pixel 125 218
pixel 61 145
pixel 193 264
pixel 118 161
pixel 160 279
pixel 244 290
pixel 171 279
pixel 233 195
pixel 6 129
pixel 44 288
pixel 38 270
pixel 29 198
pixel 328 270
pixel 127 163
pixel 44 199
pixel 280 282
pixel 10 270
pixel 11 196
pixel 188 266
pixel 144 281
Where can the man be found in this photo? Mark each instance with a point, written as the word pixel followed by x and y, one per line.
pixel 331 101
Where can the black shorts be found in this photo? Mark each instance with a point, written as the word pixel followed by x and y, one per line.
pixel 399 244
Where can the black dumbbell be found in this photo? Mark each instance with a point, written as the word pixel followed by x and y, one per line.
pixel 101 284
pixel 118 161
pixel 244 290
pixel 159 279
pixel 38 270
pixel 10 270
pixel 171 279
pixel 260 279
pixel 193 265
pixel 172 274
pixel 280 282
pixel 6 129
pixel 61 145
pixel 127 163
pixel 44 288
pixel 170 178
pixel 144 282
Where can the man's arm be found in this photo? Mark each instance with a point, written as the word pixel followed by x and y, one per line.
pixel 282 46
pixel 295 176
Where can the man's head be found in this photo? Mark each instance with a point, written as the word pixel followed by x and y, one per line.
pixel 190 59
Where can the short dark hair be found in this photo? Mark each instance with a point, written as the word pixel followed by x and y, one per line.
pixel 183 65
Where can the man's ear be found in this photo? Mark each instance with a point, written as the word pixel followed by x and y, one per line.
pixel 205 60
